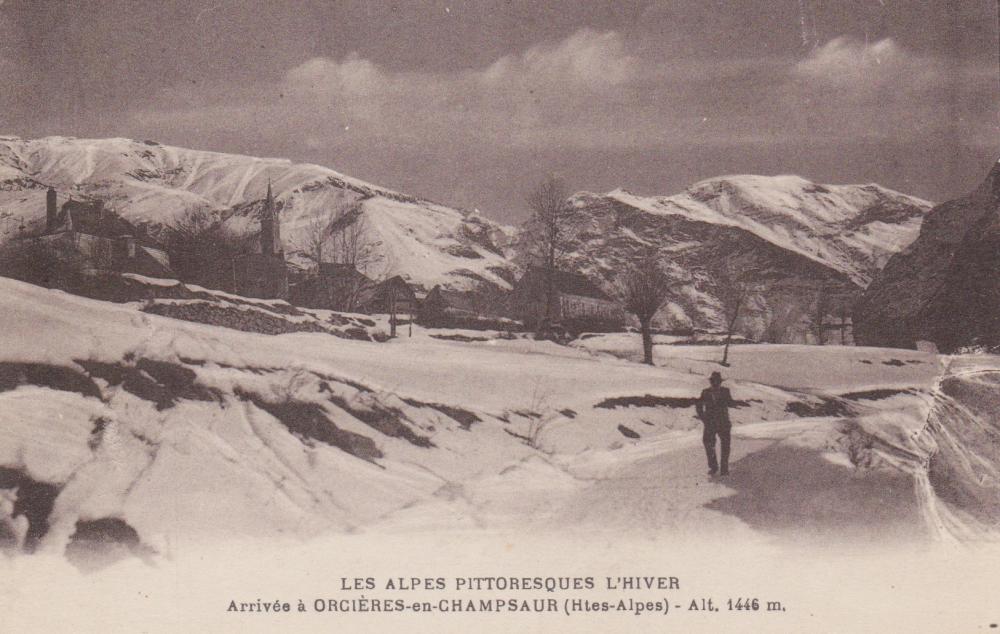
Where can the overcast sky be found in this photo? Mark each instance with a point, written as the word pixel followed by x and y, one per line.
pixel 470 103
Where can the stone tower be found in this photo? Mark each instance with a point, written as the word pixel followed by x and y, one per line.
pixel 270 226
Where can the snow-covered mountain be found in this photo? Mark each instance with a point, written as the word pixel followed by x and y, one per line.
pixel 796 235
pixel 154 185
pixel 852 229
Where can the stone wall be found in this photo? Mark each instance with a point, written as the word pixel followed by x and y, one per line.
pixel 249 319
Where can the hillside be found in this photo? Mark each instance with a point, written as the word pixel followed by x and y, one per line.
pixel 942 288
pixel 153 185
pixel 794 236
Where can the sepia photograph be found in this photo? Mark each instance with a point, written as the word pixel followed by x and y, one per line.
pixel 499 315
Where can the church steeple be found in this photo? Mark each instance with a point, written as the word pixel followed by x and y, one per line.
pixel 51 210
pixel 270 226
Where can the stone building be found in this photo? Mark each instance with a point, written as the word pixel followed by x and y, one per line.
pixel 577 303
pixel 444 308
pixel 331 286
pixel 393 296
pixel 99 240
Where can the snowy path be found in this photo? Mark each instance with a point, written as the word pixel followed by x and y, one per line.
pixel 665 493
pixel 777 490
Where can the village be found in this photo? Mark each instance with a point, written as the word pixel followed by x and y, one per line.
pixel 89 241
pixel 86 247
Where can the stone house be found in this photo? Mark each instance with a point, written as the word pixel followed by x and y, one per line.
pixel 444 308
pixel 331 286
pixel 392 296
pixel 578 303
pixel 100 240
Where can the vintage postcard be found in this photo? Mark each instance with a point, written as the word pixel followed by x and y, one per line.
pixel 500 316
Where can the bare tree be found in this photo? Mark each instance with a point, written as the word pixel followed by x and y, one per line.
pixel 44 265
pixel 315 239
pixel 349 238
pixel 732 289
pixel 843 313
pixel 395 300
pixel 782 315
pixel 192 226
pixel 821 310
pixel 644 289
pixel 547 231
pixel 344 239
pixel 202 249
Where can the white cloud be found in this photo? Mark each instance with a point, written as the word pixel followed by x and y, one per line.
pixel 353 76
pixel 587 59
pixel 882 90
pixel 846 63
pixel 588 91
pixel 549 93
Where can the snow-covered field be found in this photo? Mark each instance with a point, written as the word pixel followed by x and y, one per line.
pixel 164 435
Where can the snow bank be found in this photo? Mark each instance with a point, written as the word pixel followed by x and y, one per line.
pixel 184 433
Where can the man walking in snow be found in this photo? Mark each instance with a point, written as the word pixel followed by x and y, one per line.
pixel 713 410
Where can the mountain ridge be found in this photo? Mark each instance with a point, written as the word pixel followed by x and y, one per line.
pixel 148 183
pixel 803 238
pixel 798 235
pixel 821 209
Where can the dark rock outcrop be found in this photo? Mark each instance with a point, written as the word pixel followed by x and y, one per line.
pixel 34 500
pixel 945 287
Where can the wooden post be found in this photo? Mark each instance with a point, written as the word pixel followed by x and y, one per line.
pixel 392 312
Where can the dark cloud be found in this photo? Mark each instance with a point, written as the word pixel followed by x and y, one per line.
pixel 467 104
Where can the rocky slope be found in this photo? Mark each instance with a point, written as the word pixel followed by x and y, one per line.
pixel 154 185
pixel 942 288
pixel 791 237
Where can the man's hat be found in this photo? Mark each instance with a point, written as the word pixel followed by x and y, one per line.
pixel 715 377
